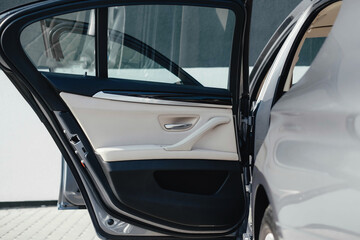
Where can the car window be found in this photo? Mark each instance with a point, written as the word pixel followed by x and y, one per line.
pixel 196 40
pixel 307 54
pixel 133 65
pixel 171 44
pixel 62 44
pixel 311 43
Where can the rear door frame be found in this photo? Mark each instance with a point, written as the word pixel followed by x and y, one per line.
pixel 40 95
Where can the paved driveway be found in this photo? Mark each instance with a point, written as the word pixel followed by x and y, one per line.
pixel 45 223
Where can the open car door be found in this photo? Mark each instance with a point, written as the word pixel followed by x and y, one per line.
pixel 143 100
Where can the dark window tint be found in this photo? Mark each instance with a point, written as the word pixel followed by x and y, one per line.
pixel 162 43
pixel 64 44
pixel 307 54
pixel 158 43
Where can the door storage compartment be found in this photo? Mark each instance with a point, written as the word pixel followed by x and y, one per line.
pixel 191 181
pixel 205 193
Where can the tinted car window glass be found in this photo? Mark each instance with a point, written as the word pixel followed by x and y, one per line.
pixel 63 44
pixel 307 55
pixel 127 63
pixel 160 43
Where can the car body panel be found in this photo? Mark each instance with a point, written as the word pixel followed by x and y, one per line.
pixel 280 46
pixel 308 163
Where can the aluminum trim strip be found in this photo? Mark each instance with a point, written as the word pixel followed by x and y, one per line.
pixel 123 98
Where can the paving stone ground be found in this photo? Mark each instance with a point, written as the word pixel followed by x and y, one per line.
pixel 45 223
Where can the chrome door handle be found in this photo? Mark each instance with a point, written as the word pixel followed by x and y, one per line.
pixel 187 143
pixel 177 126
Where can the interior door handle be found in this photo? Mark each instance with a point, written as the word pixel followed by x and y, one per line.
pixel 177 126
pixel 187 143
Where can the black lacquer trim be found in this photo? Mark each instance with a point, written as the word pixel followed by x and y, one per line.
pixel 101 42
pixel 89 86
pixel 183 97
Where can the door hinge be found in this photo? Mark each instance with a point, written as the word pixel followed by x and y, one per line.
pixel 249 121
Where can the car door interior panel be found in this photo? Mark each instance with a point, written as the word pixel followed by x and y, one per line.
pixel 121 130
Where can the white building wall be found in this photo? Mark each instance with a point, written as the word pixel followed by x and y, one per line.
pixel 30 162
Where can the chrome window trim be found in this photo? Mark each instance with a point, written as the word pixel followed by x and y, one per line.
pixel 122 98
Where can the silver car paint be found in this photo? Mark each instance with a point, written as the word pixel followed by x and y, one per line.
pixel 265 99
pixel 310 161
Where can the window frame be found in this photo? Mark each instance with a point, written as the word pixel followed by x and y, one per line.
pixel 101 39
pixel 289 59
pixel 237 80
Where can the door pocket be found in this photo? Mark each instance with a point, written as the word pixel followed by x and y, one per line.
pixel 191 181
